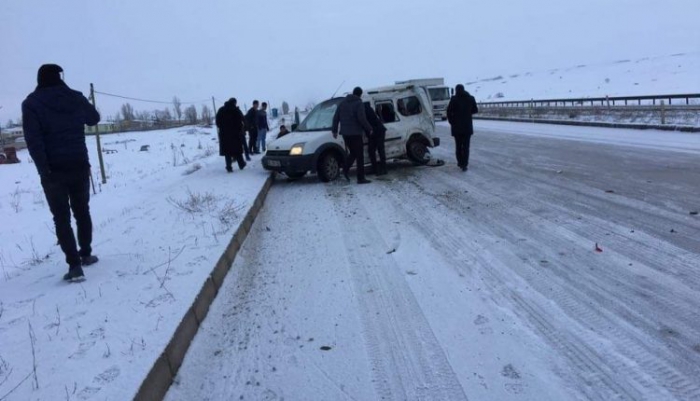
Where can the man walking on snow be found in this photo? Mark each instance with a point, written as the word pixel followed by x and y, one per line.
pixel 351 116
pixel 54 117
pixel 459 113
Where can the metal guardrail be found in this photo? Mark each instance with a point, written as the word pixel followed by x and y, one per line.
pixel 652 100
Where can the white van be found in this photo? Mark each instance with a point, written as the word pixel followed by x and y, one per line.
pixel 310 147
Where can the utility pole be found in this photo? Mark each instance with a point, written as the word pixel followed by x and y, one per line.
pixel 97 134
pixel 213 104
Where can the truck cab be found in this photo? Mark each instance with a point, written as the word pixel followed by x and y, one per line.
pixel 405 110
pixel 437 91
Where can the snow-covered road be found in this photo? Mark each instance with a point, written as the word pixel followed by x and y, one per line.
pixel 431 283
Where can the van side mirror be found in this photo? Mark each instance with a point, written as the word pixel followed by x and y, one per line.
pixel 294 126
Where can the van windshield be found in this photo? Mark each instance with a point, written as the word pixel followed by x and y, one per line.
pixel 321 117
pixel 437 94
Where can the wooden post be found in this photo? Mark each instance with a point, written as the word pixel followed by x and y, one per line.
pixel 663 113
pixel 97 134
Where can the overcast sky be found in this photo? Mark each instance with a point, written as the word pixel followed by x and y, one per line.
pixel 301 50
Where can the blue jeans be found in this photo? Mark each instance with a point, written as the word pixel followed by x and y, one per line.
pixel 262 133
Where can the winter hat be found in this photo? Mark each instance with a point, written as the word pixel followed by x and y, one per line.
pixel 49 75
pixel 460 89
pixel 357 91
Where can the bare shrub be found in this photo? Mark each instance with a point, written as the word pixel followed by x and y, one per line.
pixel 195 202
pixel 16 200
pixel 228 214
pixel 209 151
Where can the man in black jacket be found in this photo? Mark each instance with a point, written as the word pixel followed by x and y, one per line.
pixel 251 124
pixel 229 121
pixel 54 117
pixel 351 116
pixel 376 141
pixel 459 113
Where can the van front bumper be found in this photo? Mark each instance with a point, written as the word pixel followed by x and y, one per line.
pixel 289 164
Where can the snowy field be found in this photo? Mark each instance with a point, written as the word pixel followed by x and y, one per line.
pixel 671 74
pixel 160 224
pixel 564 265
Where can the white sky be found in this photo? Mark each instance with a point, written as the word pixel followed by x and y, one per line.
pixel 301 50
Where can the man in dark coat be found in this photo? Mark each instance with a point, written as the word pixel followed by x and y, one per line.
pixel 459 113
pixel 229 120
pixel 54 118
pixel 376 141
pixel 351 116
pixel 251 124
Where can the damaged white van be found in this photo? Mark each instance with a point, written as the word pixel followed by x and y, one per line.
pixel 405 110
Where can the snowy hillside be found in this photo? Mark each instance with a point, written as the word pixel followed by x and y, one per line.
pixel 671 74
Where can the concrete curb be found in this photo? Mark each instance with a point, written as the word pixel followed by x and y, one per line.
pixel 678 128
pixel 161 375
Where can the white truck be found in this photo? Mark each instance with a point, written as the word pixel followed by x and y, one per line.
pixel 439 94
pixel 310 147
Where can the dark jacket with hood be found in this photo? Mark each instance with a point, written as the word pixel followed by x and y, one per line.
pixel 459 113
pixel 378 127
pixel 351 116
pixel 54 118
pixel 229 120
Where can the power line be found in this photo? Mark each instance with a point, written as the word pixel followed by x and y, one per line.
pixel 146 100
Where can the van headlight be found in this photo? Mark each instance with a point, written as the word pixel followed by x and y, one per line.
pixel 297 149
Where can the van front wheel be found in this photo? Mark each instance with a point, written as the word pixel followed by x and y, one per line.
pixel 417 151
pixel 328 167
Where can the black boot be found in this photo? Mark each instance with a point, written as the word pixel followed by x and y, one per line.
pixel 74 275
pixel 89 260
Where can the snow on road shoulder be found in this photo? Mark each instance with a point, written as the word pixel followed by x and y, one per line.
pixel 160 224
pixel 647 139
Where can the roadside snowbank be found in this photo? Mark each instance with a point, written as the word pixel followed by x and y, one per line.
pixel 160 224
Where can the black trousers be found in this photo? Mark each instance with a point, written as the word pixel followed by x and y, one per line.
pixel 66 191
pixel 462 143
pixel 356 148
pixel 239 159
pixel 376 145
pixel 252 141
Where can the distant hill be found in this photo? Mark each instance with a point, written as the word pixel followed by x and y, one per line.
pixel 677 73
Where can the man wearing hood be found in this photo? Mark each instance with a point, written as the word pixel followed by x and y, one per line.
pixel 459 113
pixel 54 118
pixel 351 117
pixel 230 121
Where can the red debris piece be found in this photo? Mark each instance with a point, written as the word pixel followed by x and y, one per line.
pixel 597 248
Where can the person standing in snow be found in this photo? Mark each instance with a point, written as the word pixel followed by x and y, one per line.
pixel 229 120
pixel 459 114
pixel 376 141
pixel 351 117
pixel 262 128
pixel 251 123
pixel 54 118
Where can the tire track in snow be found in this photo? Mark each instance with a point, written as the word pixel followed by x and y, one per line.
pixel 602 382
pixel 407 359
pixel 656 367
